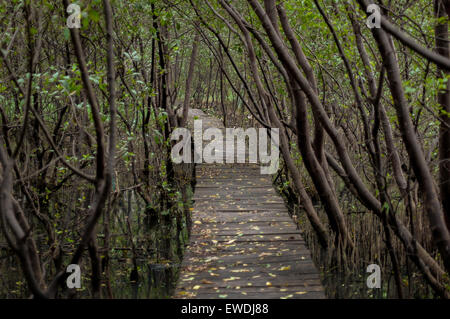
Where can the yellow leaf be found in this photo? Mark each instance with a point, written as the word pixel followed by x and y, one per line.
pixel 240 270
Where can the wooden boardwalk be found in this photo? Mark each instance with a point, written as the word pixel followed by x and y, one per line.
pixel 243 243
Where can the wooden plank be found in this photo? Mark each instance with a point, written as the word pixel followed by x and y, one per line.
pixel 236 217
pixel 267 293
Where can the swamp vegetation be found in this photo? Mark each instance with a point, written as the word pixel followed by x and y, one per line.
pixel 86 114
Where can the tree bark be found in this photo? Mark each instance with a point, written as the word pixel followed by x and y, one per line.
pixel 442 47
pixel 189 79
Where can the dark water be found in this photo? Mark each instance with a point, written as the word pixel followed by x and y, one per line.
pixel 150 271
pixel 157 269
pixel 344 276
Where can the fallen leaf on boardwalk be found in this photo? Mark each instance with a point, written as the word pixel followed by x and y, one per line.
pixel 196 287
pixel 231 278
pixel 198 222
pixel 285 268
pixel 207 282
pixel 300 292
pixel 287 297
pixel 230 242
pixel 240 270
pixel 268 284
pixel 223 296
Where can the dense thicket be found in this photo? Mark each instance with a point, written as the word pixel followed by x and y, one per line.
pixel 364 116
